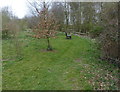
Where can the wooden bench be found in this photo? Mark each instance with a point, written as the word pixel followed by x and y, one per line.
pixel 68 36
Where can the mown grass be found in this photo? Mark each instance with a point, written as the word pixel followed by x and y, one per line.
pixel 73 65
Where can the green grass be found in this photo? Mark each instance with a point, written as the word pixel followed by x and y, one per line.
pixel 73 64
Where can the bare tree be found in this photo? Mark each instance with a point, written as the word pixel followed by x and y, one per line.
pixel 47 24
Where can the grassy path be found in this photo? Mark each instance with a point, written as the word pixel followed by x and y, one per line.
pixel 74 64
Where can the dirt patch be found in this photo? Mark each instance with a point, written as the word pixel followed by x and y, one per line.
pixel 78 60
pixel 7 60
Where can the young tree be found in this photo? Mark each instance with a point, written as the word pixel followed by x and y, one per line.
pixel 47 25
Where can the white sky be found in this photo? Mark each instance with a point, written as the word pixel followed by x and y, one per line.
pixel 19 7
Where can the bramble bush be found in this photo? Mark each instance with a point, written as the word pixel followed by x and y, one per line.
pixel 96 31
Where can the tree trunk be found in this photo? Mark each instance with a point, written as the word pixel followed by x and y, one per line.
pixel 49 48
pixel 119 31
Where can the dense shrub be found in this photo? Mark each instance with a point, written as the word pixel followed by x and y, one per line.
pixel 96 31
pixel 5 33
pixel 109 38
pixel 86 27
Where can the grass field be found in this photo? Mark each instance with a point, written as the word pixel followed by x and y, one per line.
pixel 72 65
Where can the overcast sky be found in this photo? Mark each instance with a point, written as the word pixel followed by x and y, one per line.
pixel 19 7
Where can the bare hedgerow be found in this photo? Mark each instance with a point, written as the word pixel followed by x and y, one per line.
pixel 109 36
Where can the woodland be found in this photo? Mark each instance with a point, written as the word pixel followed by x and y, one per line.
pixel 61 46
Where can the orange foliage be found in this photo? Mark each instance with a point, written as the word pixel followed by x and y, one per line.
pixel 47 25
